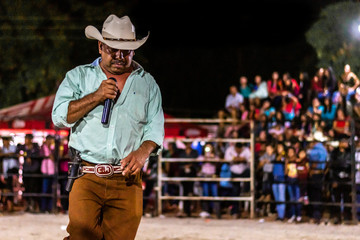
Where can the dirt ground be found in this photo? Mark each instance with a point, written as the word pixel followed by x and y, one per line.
pixel 49 227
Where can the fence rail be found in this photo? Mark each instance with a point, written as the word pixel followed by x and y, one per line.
pixel 251 179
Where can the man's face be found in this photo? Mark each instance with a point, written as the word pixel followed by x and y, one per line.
pixel 6 142
pixel 238 150
pixel 115 61
pixel 347 68
pixel 257 79
pixel 233 90
pixel 28 140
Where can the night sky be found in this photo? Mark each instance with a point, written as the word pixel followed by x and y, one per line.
pixel 197 49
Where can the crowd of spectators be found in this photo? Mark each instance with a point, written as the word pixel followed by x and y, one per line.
pixel 302 154
pixel 302 149
pixel 37 174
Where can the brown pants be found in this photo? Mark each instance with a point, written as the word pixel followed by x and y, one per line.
pixel 105 208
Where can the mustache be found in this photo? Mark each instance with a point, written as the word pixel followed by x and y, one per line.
pixel 118 62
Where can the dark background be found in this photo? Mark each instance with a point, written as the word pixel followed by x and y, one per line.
pixel 197 49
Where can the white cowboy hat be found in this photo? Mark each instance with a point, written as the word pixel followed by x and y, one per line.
pixel 118 33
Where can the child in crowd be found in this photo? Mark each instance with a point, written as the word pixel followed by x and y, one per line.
pixel 208 170
pixel 302 165
pixel 293 185
pixel 279 185
pixel 48 169
pixel 266 165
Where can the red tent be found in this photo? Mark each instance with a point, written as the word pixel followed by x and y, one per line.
pixel 36 114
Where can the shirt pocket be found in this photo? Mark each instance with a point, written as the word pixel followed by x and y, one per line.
pixel 137 108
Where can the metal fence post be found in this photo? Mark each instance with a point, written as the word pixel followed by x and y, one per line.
pixel 159 183
pixel 252 170
pixel 353 173
pixel 55 183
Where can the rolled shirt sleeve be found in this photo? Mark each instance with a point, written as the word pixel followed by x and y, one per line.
pixel 154 129
pixel 68 91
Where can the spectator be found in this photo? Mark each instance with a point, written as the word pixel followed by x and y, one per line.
pixel 304 84
pixel 317 155
pixel 317 83
pixel 315 108
pixel 10 169
pixel 275 87
pixel 188 170
pixel 293 186
pixel 328 111
pixel 341 125
pixel 340 174
pixel 268 110
pixel 302 165
pixel 8 155
pixel 232 104
pixel 260 89
pixel 290 138
pixel 357 176
pixel 208 170
pixel 48 169
pixel 239 155
pixel 266 166
pixel 244 112
pixel 63 172
pixel 290 107
pixel 329 81
pixel 245 88
pixel 350 80
pixel 279 117
pixel 225 187
pixel 253 111
pixel 279 185
pixel 31 165
pixel 276 131
pixel 290 85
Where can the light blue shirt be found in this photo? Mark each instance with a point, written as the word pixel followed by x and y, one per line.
pixel 137 115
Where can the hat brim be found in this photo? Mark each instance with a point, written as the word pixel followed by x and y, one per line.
pixel 91 32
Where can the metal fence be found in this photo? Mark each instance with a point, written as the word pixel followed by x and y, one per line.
pixel 162 179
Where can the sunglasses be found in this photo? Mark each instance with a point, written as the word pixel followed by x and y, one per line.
pixel 113 51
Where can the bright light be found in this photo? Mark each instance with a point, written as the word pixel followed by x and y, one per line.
pixel 359 27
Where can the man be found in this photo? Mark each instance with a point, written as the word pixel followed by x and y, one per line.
pixel 188 170
pixel 240 155
pixel 260 89
pixel 8 153
pixel 10 168
pixel 108 205
pixel 232 104
pixel 340 175
pixel 317 155
pixel 32 164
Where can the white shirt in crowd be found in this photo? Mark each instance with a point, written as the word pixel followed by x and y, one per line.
pixel 230 154
pixel 9 163
pixel 234 101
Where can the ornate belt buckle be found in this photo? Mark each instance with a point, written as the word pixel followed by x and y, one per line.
pixel 104 170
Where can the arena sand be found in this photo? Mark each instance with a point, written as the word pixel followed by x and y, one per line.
pixel 51 227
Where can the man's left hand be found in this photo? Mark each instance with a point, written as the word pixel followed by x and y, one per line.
pixel 133 163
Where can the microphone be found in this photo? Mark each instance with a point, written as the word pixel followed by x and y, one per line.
pixel 107 108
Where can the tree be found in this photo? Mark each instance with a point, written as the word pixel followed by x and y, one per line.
pixel 336 38
pixel 41 40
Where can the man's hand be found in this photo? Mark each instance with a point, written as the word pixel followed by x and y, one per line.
pixel 78 108
pixel 133 163
pixel 107 90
